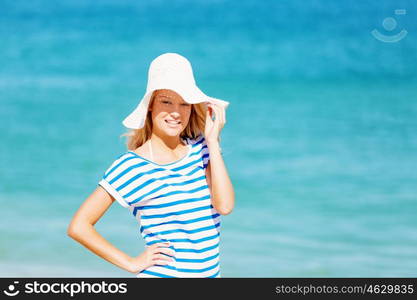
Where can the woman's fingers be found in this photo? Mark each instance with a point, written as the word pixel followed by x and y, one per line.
pixel 209 113
pixel 213 112
pixel 222 115
pixel 162 257
pixel 161 262
pixel 166 251
pixel 157 245
pixel 216 113
pixel 163 248
pixel 219 113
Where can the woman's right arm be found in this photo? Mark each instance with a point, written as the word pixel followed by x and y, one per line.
pixel 82 230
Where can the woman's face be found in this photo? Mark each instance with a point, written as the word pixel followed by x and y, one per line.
pixel 170 113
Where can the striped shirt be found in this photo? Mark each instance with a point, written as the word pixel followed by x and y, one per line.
pixel 171 203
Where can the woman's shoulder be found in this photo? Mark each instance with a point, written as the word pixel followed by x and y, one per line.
pixel 122 157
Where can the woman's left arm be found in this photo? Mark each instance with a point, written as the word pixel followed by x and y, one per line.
pixel 220 185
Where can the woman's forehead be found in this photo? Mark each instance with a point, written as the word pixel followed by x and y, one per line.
pixel 169 94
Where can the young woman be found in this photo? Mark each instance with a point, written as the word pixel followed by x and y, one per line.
pixel 172 178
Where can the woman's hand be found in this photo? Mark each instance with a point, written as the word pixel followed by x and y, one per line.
pixel 213 127
pixel 153 255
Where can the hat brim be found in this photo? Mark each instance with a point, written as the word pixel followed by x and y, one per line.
pixel 136 119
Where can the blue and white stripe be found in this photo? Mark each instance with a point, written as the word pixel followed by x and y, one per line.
pixel 171 203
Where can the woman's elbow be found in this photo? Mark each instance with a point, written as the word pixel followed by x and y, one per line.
pixel 225 210
pixel 72 231
pixel 75 229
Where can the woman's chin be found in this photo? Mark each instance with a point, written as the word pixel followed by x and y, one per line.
pixel 172 131
pixel 169 130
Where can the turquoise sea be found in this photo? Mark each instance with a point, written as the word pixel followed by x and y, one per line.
pixel 320 140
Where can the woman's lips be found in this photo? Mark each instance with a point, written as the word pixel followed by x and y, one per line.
pixel 173 123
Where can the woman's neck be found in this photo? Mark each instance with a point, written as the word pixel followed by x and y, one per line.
pixel 169 143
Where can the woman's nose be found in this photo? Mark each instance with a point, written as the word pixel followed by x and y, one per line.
pixel 176 108
pixel 175 113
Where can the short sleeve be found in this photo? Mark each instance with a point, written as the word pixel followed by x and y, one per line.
pixel 205 152
pixel 112 178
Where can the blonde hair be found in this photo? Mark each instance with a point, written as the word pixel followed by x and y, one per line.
pixel 195 126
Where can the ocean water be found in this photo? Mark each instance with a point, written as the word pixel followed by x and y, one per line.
pixel 320 140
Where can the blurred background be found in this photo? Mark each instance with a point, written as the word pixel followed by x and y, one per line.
pixel 320 140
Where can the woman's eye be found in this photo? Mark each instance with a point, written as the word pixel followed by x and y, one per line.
pixel 165 102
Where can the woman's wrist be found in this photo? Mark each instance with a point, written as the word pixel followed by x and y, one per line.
pixel 133 265
pixel 213 145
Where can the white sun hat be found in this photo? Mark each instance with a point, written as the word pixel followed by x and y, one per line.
pixel 173 72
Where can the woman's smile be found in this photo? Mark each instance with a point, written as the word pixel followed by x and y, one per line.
pixel 173 123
